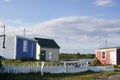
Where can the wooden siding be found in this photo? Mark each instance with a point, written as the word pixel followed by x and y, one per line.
pixel 54 51
pixel 55 54
pixel 9 51
pixel 107 59
pixel 30 53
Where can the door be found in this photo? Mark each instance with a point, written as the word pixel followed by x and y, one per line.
pixel 42 55
pixel 113 58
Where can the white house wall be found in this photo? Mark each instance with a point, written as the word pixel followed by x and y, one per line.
pixel 37 52
pixel 113 57
pixel 9 51
pixel 54 52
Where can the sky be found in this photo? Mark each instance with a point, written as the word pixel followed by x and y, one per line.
pixel 76 25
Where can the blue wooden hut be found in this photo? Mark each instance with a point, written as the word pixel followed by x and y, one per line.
pixel 17 47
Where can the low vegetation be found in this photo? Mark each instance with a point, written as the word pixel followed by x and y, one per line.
pixel 0 63
pixel 66 56
pixel 89 75
pixel 26 63
pixel 95 62
pixel 36 76
pixel 108 73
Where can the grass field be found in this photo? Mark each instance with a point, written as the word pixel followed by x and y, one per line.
pixel 32 63
pixel 89 75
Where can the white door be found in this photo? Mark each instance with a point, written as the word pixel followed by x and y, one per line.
pixel 113 58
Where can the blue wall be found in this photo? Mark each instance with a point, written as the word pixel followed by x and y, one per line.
pixel 30 53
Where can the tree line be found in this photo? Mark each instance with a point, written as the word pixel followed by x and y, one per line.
pixel 66 56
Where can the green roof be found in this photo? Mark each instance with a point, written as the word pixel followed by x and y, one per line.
pixel 47 43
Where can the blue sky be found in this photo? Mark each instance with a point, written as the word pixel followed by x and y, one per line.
pixel 76 25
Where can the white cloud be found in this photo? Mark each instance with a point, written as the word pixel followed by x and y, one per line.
pixel 72 33
pixel 105 3
pixel 7 0
pixel 76 32
pixel 13 26
pixel 1 23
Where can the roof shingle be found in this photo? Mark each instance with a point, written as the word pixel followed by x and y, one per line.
pixel 47 43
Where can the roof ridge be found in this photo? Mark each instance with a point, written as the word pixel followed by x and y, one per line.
pixel 43 38
pixel 48 43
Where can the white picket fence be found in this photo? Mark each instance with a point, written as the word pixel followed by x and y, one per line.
pixel 48 69
pixel 54 69
pixel 101 68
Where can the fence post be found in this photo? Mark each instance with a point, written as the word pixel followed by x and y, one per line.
pixel 86 65
pixel 65 67
pixel 42 66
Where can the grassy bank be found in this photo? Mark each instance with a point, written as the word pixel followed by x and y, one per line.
pixel 25 63
pixel 89 75
pixel 36 76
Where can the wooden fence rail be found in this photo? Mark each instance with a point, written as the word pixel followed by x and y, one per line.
pixel 54 69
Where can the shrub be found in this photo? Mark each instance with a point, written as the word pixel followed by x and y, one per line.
pixel 95 62
pixel 0 63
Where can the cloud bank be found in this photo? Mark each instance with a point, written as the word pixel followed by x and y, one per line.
pixel 73 34
pixel 105 3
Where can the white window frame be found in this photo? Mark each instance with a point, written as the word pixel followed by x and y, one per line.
pixel 25 46
pixel 104 55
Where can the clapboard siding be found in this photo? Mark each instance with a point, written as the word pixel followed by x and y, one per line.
pixel 14 47
pixel 30 53
pixel 9 51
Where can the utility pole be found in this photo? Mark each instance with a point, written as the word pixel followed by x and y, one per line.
pixel 4 29
pixel 106 43
pixel 24 31
pixel 3 36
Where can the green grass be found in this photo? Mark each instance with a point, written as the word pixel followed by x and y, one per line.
pixel 89 75
pixel 108 73
pixel 26 63
pixel 36 76
pixel 19 62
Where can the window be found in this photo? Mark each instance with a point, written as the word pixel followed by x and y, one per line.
pixel 103 55
pixel 50 55
pixel 25 46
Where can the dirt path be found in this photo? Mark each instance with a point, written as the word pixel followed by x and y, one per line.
pixel 114 77
pixel 111 77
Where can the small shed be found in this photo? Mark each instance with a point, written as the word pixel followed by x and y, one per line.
pixel 17 47
pixel 109 55
pixel 47 50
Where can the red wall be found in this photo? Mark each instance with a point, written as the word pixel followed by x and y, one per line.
pixel 99 56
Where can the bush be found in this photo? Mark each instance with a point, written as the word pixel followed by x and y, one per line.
pixel 0 63
pixel 95 62
pixel 67 56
